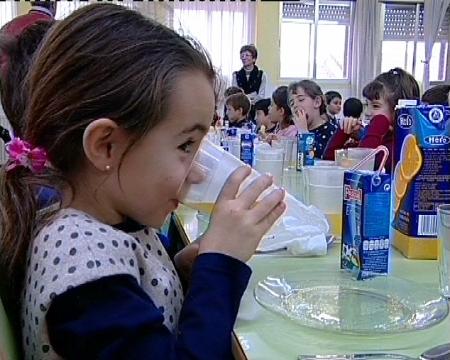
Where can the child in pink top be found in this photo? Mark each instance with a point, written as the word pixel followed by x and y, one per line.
pixel 281 115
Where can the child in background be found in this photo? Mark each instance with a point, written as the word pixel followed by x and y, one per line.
pixel 353 108
pixel 334 102
pixel 238 106
pixel 91 279
pixel 309 108
pixel 437 95
pixel 262 116
pixel 228 92
pixel 382 96
pixel 40 11
pixel 280 115
pixel 232 90
pixel 20 51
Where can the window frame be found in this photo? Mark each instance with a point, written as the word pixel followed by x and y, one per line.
pixel 313 48
pixel 443 57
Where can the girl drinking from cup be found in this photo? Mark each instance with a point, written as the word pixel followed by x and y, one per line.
pixel 107 127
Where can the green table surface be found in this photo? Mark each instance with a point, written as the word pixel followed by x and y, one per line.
pixel 265 335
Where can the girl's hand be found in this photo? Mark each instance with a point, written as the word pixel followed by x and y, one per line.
pixel 239 222
pixel 184 260
pixel 271 137
pixel 300 120
pixel 351 125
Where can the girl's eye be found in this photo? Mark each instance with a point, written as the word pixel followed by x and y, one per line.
pixel 186 147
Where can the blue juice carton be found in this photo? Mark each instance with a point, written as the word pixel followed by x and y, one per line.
pixel 305 150
pixel 231 132
pixel 365 223
pixel 421 178
pixel 247 149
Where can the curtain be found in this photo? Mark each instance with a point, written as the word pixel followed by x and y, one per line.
pixel 221 27
pixel 447 70
pixel 8 10
pixel 434 13
pixel 365 52
pixel 160 11
pixel 66 7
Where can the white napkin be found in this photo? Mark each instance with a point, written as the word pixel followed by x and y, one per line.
pixel 305 240
pixel 301 231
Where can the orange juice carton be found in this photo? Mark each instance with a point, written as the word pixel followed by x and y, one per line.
pixel 421 178
pixel 365 223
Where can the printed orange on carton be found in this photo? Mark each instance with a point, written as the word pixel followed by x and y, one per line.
pixel 421 178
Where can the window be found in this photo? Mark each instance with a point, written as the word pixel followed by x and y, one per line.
pixel 403 41
pixel 314 39
pixel 7 11
pixel 221 27
pixel 66 7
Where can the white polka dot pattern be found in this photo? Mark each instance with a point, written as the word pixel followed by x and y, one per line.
pixel 74 249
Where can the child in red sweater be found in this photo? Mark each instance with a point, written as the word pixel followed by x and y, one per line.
pixel 382 95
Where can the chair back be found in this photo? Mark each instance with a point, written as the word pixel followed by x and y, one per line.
pixel 8 344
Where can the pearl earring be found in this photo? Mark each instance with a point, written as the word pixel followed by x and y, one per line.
pixel 108 167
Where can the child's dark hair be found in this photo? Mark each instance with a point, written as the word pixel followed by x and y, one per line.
pixel 19 52
pixel 251 49
pixel 50 5
pixel 239 101
pixel 392 86
pixel 353 107
pixel 312 90
pixel 437 95
pixel 263 105
pixel 330 95
pixel 102 61
pixel 232 90
pixel 280 99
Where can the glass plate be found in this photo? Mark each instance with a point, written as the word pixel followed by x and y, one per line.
pixel 339 303
pixel 380 356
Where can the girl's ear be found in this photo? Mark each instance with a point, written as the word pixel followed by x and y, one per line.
pixel 318 102
pixel 104 143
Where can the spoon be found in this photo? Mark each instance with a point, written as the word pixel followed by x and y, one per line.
pixel 440 352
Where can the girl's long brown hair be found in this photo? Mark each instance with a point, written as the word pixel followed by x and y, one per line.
pixel 311 89
pixel 102 61
pixel 392 86
pixel 281 99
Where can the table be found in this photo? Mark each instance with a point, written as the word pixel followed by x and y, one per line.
pixel 263 335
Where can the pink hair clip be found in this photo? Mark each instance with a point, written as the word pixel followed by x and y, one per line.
pixel 21 153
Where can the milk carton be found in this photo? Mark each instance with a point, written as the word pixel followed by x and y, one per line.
pixel 305 150
pixel 365 223
pixel 421 178
pixel 246 154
